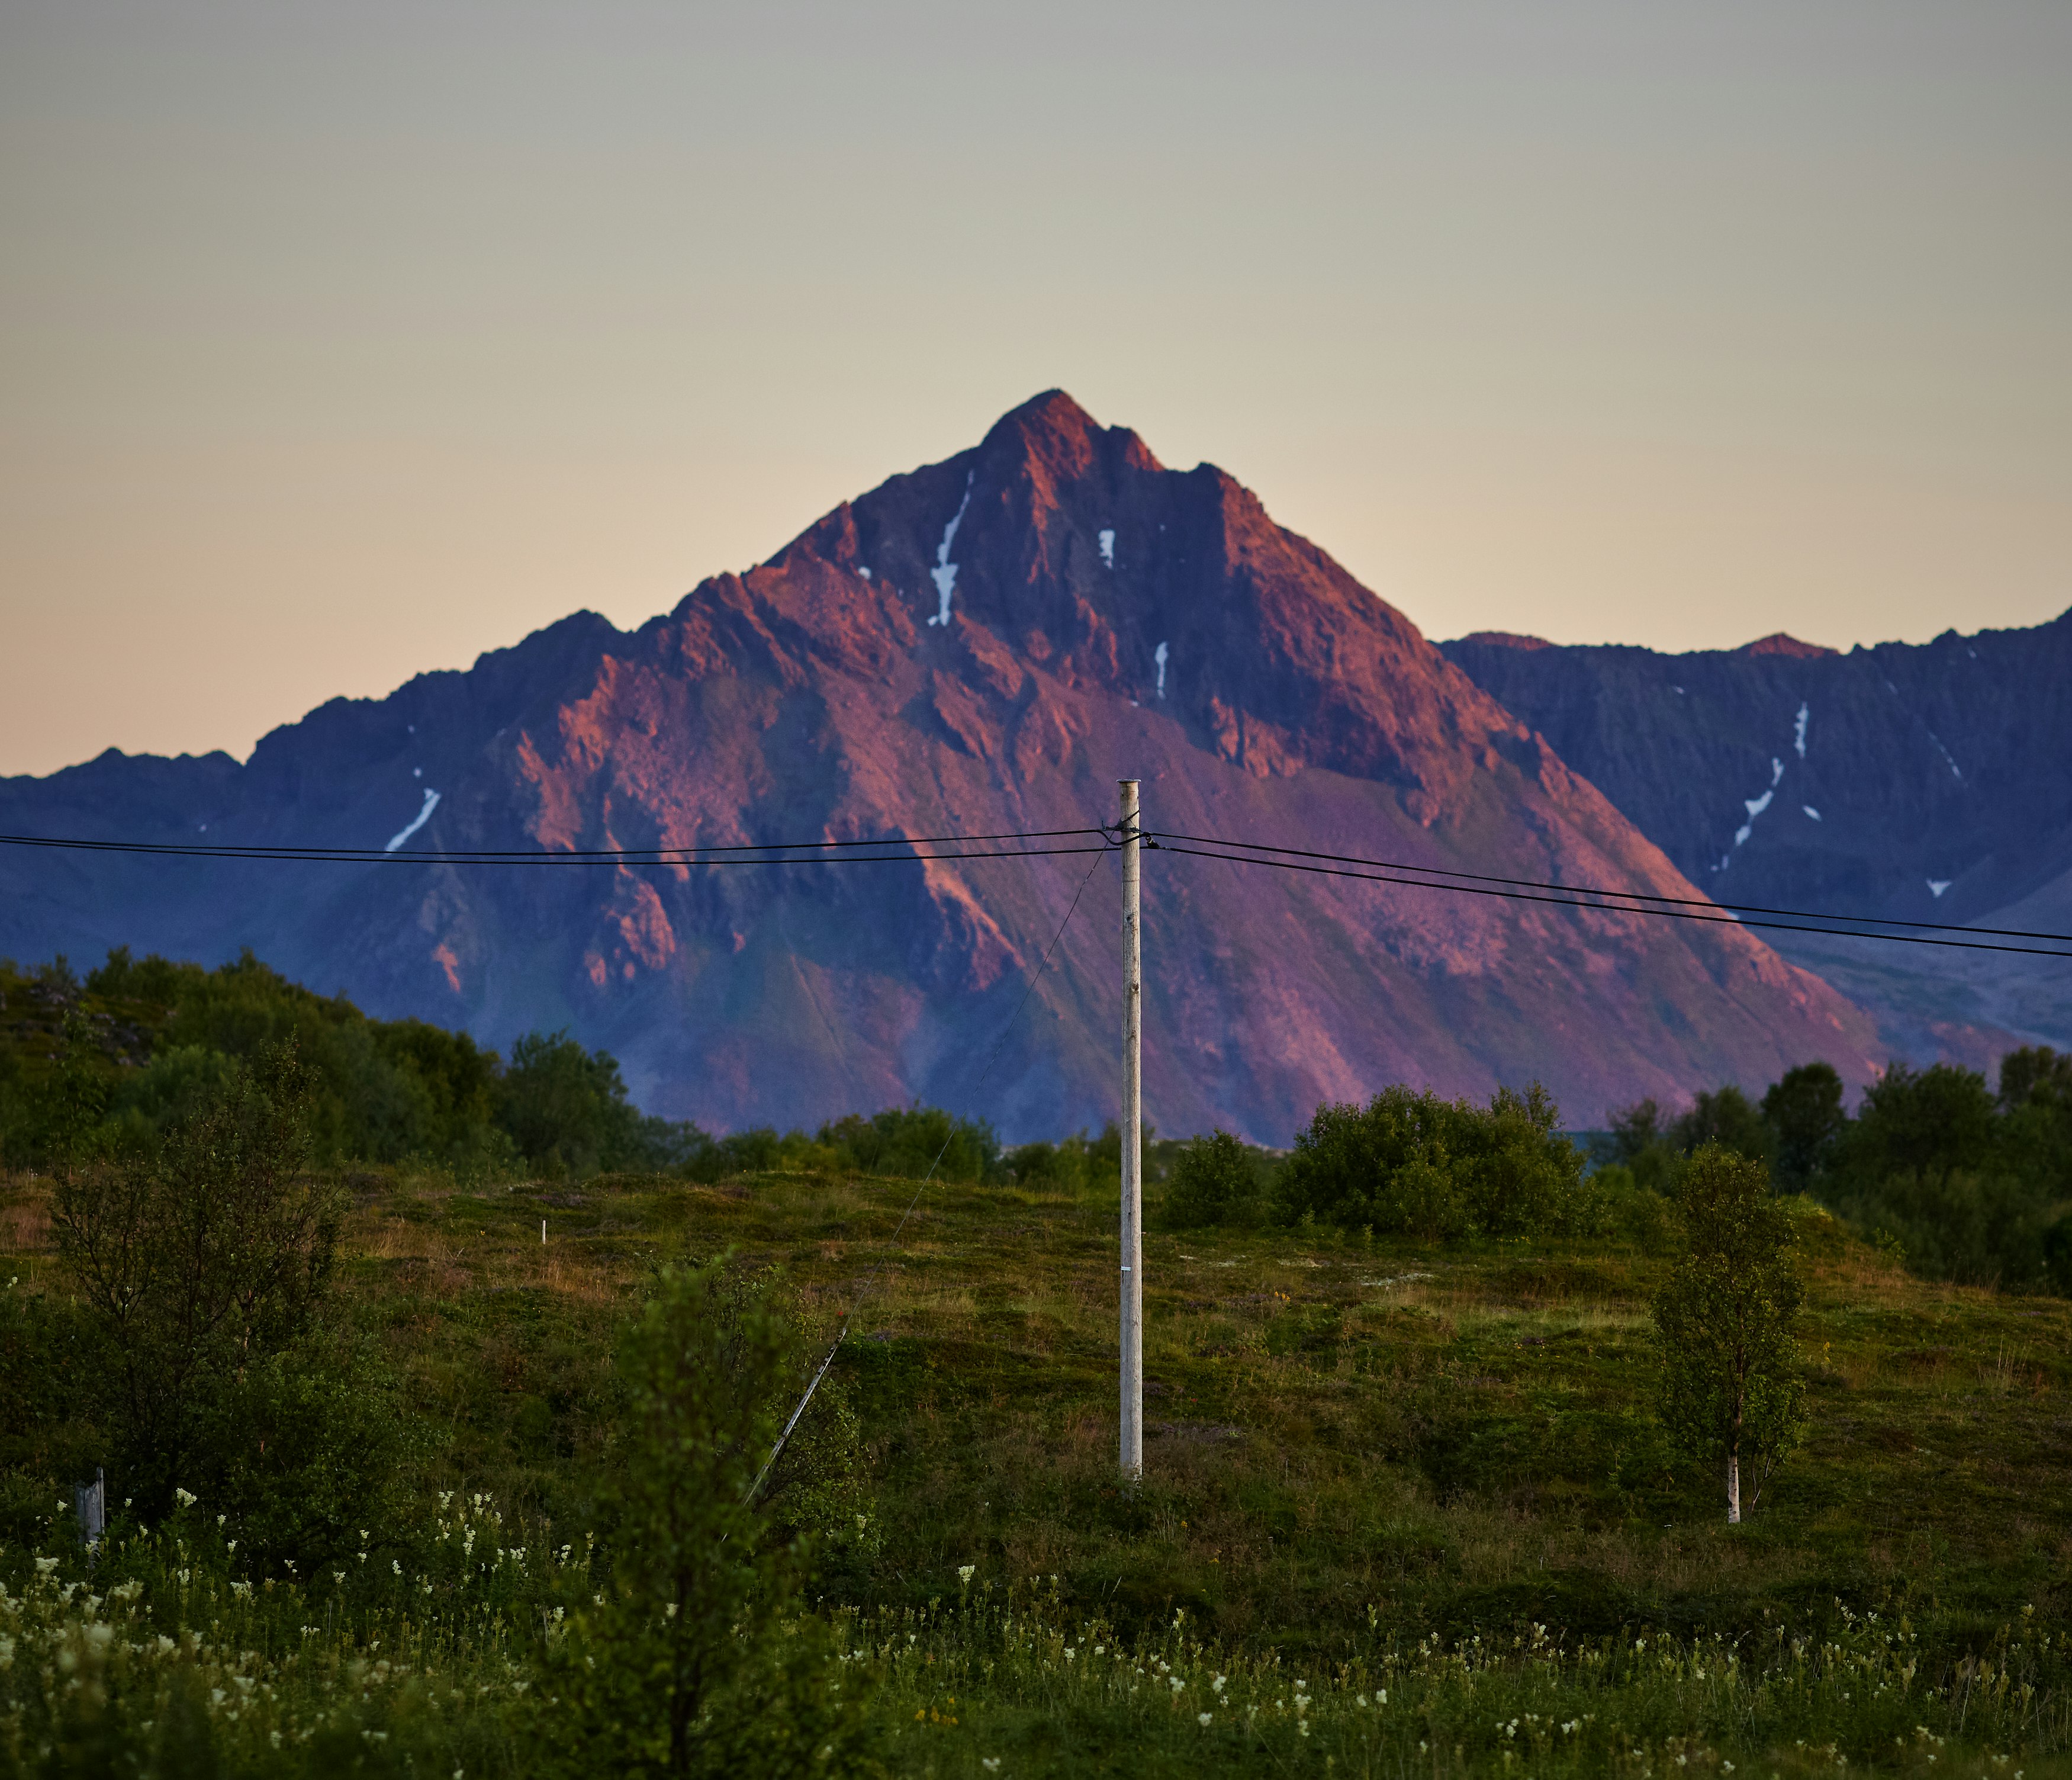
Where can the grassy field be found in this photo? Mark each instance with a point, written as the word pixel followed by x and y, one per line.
pixel 1429 1475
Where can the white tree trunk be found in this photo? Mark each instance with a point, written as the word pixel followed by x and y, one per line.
pixel 1734 1489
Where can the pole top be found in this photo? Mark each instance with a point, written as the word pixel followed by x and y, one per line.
pixel 1130 781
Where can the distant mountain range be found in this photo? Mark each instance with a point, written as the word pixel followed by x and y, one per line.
pixel 1929 783
pixel 984 645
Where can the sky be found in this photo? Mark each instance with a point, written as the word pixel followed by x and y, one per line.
pixel 338 344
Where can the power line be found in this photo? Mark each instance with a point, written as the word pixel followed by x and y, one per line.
pixel 1638 896
pixel 1612 908
pixel 789 852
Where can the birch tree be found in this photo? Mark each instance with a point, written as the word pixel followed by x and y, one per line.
pixel 1731 1387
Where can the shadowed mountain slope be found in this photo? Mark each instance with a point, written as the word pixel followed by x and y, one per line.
pixel 983 645
pixel 1926 782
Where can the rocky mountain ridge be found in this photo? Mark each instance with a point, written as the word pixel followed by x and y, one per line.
pixel 982 645
pixel 1924 782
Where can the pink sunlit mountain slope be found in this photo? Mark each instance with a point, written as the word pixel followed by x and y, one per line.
pixel 985 645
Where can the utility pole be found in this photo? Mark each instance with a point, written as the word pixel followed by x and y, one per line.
pixel 1133 1146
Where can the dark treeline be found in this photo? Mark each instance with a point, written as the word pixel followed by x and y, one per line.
pixel 105 1067
pixel 95 1069
pixel 1962 1181
pixel 1967 1182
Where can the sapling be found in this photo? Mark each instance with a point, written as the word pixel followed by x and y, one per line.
pixel 1731 1385
pixel 690 1654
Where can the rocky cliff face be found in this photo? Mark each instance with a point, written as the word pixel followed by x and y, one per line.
pixel 1929 783
pixel 983 645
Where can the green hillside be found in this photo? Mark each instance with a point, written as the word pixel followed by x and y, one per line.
pixel 1408 1503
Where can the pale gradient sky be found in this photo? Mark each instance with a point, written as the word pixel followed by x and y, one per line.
pixel 338 343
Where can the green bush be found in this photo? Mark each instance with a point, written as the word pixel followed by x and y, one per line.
pixel 906 1141
pixel 1982 1228
pixel 194 1263
pixel 1063 1167
pixel 687 1661
pixel 1411 1163
pixel 1215 1180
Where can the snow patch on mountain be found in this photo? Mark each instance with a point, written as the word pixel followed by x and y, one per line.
pixel 1755 807
pixel 944 573
pixel 1159 656
pixel 422 816
pixel 1106 536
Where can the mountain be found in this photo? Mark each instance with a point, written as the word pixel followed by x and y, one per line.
pixel 1929 782
pixel 983 645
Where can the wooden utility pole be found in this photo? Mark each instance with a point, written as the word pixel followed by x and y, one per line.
pixel 1132 1146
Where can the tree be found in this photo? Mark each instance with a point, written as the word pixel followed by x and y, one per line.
pixel 1637 1141
pixel 1634 1130
pixel 567 1110
pixel 199 1261
pixel 1804 1113
pixel 683 1664
pixel 1214 1182
pixel 1930 1123
pixel 1730 1385
pixel 2036 1074
pixel 1724 1117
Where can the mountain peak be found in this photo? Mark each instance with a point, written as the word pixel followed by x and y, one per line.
pixel 980 645
pixel 1506 639
pixel 1780 643
pixel 1054 435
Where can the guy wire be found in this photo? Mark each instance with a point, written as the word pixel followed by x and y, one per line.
pixel 870 1279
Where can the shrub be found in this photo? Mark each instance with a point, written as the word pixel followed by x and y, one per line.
pixel 1985 1227
pixel 195 1264
pixel 1061 1166
pixel 686 1661
pixel 1214 1181
pixel 905 1141
pixel 1411 1163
